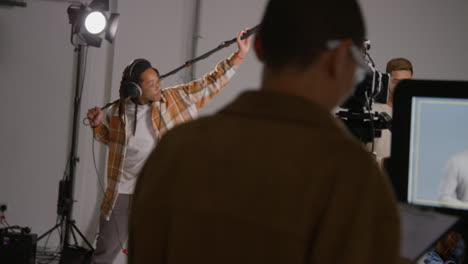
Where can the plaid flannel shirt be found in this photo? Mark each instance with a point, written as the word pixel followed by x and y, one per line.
pixel 178 104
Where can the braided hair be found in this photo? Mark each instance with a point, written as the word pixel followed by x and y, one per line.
pixel 137 67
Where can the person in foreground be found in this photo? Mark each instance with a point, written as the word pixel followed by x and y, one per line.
pixel 273 177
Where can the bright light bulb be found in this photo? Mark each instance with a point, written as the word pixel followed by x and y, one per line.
pixel 95 22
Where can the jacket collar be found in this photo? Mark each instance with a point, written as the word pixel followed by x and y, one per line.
pixel 279 106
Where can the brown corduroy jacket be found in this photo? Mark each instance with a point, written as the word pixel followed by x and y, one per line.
pixel 272 178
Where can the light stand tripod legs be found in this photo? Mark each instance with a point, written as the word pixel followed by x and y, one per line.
pixel 81 235
pixel 66 198
pixel 50 230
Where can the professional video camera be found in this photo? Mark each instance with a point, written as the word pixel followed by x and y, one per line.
pixel 357 113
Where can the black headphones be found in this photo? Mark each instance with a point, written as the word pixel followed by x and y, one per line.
pixel 132 89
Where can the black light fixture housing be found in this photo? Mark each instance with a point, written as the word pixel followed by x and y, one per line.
pixel 90 22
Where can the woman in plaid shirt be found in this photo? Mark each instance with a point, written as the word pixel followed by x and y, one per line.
pixel 132 128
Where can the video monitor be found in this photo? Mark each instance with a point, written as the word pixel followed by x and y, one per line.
pixel 429 155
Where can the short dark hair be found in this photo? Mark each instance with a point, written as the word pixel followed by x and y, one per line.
pixel 399 64
pixel 295 32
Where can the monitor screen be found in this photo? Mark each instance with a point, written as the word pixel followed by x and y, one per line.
pixel 429 153
pixel 438 153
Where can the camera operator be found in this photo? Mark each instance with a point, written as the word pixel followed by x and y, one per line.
pixel 399 69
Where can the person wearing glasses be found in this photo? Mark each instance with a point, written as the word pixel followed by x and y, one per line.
pixel 273 177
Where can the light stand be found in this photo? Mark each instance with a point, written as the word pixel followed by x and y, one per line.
pixel 65 199
pixel 78 15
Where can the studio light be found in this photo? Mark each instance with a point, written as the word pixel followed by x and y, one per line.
pixel 90 22
pixel 95 22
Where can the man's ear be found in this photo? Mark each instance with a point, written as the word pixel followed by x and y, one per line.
pixel 258 47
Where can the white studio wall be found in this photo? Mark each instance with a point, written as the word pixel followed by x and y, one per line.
pixel 221 21
pixel 432 34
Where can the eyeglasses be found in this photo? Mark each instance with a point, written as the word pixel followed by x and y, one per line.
pixel 356 53
pixel 358 56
